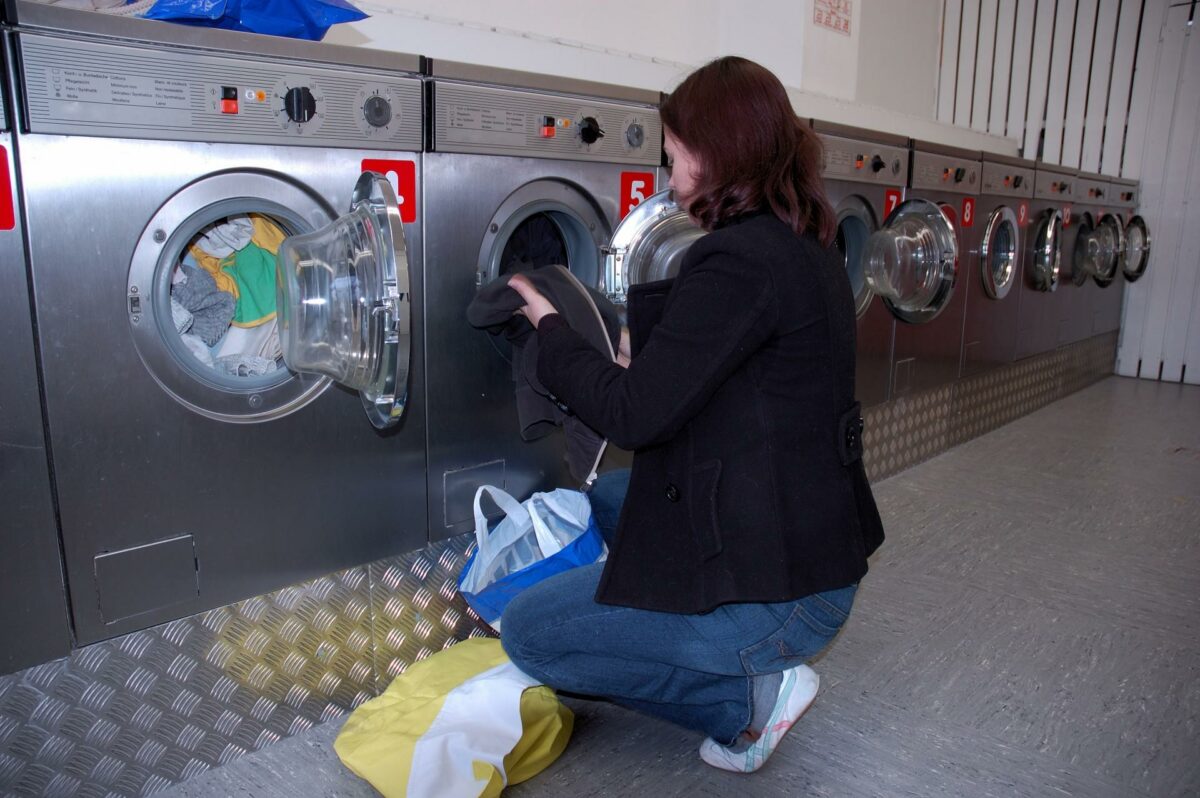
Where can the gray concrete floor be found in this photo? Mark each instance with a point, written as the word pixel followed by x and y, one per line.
pixel 1029 628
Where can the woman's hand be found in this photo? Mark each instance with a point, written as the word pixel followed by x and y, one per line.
pixel 623 355
pixel 536 305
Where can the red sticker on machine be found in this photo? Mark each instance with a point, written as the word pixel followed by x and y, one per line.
pixel 891 201
pixel 1022 213
pixel 950 213
pixel 1066 215
pixel 403 177
pixel 968 212
pixel 635 187
pixel 8 218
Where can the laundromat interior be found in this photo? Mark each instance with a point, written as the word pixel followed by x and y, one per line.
pixel 212 550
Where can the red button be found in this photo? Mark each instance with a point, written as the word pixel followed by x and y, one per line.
pixel 229 106
pixel 548 131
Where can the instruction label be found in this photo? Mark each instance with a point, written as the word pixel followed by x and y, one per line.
pixel 116 89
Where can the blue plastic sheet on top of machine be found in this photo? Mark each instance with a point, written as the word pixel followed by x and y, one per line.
pixel 298 19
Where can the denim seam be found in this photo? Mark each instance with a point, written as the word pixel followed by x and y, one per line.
pixel 833 608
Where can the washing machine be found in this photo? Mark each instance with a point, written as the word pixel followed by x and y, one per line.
pixel 1092 242
pixel 866 173
pixel 524 170
pixel 162 167
pixel 34 624
pixel 1039 312
pixel 992 276
pixel 1136 256
pixel 931 307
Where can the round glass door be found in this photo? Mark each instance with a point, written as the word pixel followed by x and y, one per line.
pixel 1110 244
pixel 1046 251
pixel 345 308
pixel 1136 253
pixel 649 244
pixel 998 252
pixel 855 225
pixel 201 296
pixel 912 261
pixel 1084 258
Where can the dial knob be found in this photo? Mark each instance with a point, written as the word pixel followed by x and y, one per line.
pixel 635 135
pixel 377 110
pixel 590 130
pixel 1017 181
pixel 877 164
pixel 300 104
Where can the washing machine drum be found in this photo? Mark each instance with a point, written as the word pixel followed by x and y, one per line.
pixel 998 252
pixel 1136 254
pixel 1046 251
pixel 912 261
pixel 535 242
pixel 344 301
pixel 649 244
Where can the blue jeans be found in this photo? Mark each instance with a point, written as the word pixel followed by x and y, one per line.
pixel 694 670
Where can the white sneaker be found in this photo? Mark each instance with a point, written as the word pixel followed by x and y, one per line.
pixel 796 694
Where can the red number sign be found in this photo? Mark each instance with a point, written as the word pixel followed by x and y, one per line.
pixel 1066 215
pixel 1022 213
pixel 403 177
pixel 635 187
pixel 968 212
pixel 8 218
pixel 891 199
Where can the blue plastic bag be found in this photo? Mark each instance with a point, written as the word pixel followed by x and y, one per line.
pixel 547 534
pixel 298 19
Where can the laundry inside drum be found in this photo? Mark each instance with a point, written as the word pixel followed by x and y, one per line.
pixel 536 241
pixel 223 298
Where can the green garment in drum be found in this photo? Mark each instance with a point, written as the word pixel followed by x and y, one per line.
pixel 253 269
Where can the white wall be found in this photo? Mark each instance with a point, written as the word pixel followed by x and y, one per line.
pixel 654 45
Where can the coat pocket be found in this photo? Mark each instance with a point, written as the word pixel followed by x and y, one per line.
pixel 702 507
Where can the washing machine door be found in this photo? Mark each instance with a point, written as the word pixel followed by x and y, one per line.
pixel 1109 239
pixel 345 301
pixel 1136 253
pixel 855 224
pixel 912 261
pixel 1046 251
pixel 998 252
pixel 649 244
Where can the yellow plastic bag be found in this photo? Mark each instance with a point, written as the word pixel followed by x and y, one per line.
pixel 464 722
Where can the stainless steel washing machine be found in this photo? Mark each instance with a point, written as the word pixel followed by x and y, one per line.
pixel 34 624
pixel 1133 240
pixel 1136 256
pixel 161 169
pixel 1092 242
pixel 524 170
pixel 992 296
pixel 1038 316
pixel 929 333
pixel 865 174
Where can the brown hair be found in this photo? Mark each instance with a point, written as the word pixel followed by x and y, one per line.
pixel 755 154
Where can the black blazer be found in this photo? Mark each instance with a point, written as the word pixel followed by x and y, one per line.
pixel 739 406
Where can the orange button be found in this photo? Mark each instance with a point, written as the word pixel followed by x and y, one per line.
pixel 547 131
pixel 229 106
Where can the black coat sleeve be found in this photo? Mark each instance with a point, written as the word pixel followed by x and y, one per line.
pixel 721 310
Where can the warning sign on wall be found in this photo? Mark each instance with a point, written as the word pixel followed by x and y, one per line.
pixel 832 14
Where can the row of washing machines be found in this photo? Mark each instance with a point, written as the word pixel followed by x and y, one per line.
pixel 963 261
pixel 159 456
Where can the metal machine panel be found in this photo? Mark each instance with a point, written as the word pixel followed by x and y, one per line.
pixel 34 625
pixel 864 162
pixel 488 120
pixel 1007 178
pixel 927 355
pixel 103 89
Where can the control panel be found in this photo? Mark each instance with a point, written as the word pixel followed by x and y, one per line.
pixel 1093 191
pixel 1056 186
pixel 93 88
pixel 1124 194
pixel 489 120
pixel 1007 180
pixel 863 161
pixel 937 172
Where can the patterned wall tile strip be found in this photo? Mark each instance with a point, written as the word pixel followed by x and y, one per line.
pixel 129 716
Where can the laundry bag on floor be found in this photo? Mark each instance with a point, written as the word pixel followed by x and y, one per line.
pixel 547 534
pixel 463 723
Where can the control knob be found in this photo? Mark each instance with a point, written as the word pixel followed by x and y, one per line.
pixel 300 104
pixel 877 164
pixel 1017 181
pixel 635 136
pixel 590 130
pixel 377 111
